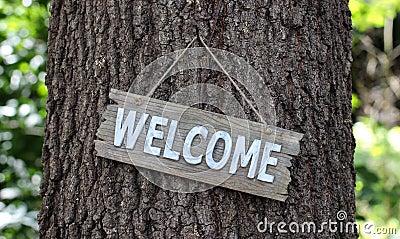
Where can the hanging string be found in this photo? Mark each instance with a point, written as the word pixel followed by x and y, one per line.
pixel 151 92
pixel 234 83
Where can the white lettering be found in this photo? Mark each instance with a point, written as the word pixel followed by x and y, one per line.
pixel 211 146
pixel 168 152
pixel 153 133
pixel 252 153
pixel 268 160
pixel 133 133
pixel 187 155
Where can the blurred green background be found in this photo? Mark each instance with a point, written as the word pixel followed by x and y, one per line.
pixel 376 112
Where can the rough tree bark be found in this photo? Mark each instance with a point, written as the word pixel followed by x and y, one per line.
pixel 300 48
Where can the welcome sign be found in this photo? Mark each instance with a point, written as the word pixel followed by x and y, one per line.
pixel 198 145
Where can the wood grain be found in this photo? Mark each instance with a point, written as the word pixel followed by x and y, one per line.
pixel 188 118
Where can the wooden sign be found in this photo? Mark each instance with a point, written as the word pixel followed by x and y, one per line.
pixel 198 145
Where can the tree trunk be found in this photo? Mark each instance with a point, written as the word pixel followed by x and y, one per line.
pixel 300 48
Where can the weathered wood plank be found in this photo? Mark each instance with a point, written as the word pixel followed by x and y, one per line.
pixel 276 191
pixel 129 99
pixel 290 144
pixel 187 118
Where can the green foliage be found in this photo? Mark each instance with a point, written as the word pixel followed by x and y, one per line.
pixel 377 156
pixel 372 13
pixel 355 101
pixel 377 164
pixel 23 34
